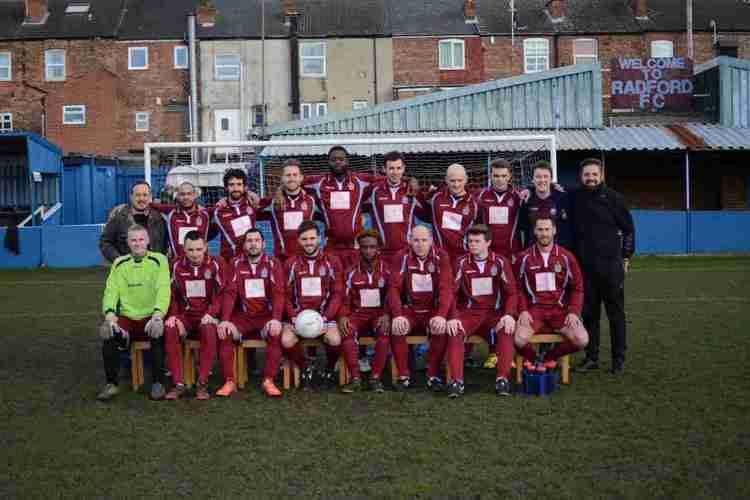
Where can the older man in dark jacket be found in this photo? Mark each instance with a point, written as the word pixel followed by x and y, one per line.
pixel 604 242
pixel 114 239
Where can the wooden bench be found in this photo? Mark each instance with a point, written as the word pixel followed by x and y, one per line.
pixel 136 362
pixel 240 359
pixel 545 338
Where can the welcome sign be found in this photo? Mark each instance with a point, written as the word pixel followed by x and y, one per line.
pixel 655 84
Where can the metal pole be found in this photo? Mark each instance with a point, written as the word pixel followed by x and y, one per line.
pixel 688 225
pixel 193 64
pixel 261 172
pixel 147 163
pixel 690 28
pixel 263 66
pixel 553 156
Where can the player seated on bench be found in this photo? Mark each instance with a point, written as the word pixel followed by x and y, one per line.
pixel 551 295
pixel 314 280
pixel 419 300
pixel 364 313
pixel 252 308
pixel 136 298
pixel 486 305
pixel 197 288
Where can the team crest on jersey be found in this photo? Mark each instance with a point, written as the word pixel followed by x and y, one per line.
pixel 404 200
pixel 381 283
pixel 198 220
pixel 563 215
pixel 264 273
pixel 430 268
pixel 493 270
pixel 207 275
pixel 351 186
pixel 466 211
pixel 510 203
pixel 323 271
pixel 553 212
pixel 558 267
pixel 303 206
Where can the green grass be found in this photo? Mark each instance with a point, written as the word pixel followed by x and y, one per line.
pixel 675 426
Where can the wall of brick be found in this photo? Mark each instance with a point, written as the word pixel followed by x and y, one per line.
pixel 97 76
pixel 416 62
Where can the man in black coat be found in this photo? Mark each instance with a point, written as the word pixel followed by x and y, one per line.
pixel 604 243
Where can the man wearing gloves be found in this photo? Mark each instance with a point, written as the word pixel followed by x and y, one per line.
pixel 136 298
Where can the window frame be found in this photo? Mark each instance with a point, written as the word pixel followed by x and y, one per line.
pixel 217 66
pixel 148 121
pixel 174 57
pixel 595 54
pixel 318 106
pixel 303 57
pixel 9 66
pixel 359 104
pixel 67 109
pixel 6 117
pixel 526 43
pixel 131 50
pixel 452 42
pixel 48 65
pixel 662 43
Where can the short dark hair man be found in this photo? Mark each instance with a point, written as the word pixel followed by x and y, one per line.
pixel 114 240
pixel 605 241
pixel 545 200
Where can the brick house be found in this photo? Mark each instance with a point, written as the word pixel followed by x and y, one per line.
pixel 94 77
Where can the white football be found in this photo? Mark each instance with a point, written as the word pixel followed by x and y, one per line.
pixel 309 324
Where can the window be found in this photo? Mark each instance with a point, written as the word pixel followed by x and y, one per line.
pixel 77 8
pixel 181 57
pixel 584 50
pixel 258 116
pixel 451 54
pixel 314 109
pixel 141 121
pixel 54 65
pixel 5 70
pixel 227 67
pixel 535 55
pixel 74 115
pixel 312 59
pixel 6 122
pixel 137 57
pixel 359 105
pixel 662 48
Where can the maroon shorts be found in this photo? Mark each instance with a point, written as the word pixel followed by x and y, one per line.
pixel 251 327
pixel 364 324
pixel 134 328
pixel 192 324
pixel 419 320
pixel 480 323
pixel 547 318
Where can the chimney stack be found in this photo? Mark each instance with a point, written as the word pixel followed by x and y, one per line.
pixel 640 8
pixel 470 11
pixel 36 11
pixel 290 8
pixel 556 9
pixel 205 14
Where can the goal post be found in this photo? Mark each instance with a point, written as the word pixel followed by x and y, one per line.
pixel 166 164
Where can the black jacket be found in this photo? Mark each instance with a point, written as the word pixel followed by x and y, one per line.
pixel 114 239
pixel 603 227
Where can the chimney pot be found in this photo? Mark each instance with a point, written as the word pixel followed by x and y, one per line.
pixel 205 14
pixel 36 11
pixel 556 9
pixel 470 10
pixel 640 8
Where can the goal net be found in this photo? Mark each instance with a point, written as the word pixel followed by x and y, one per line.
pixel 427 157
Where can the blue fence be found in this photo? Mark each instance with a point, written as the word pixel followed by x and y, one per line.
pixel 657 232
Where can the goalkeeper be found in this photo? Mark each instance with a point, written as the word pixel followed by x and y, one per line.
pixel 136 297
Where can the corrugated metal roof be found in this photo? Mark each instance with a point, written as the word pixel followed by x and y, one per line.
pixel 636 138
pixel 718 137
pixel 567 140
pixel 568 97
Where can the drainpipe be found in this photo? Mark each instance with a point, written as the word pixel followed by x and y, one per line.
pixel 375 69
pixel 294 74
pixel 194 135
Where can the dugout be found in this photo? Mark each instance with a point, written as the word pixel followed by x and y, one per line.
pixel 30 179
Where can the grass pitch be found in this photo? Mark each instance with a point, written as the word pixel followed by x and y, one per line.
pixel 675 426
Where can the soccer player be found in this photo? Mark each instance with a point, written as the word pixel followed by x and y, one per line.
pixel 197 287
pixel 605 242
pixel 114 240
pixel 486 305
pixel 551 295
pixel 136 298
pixel 341 195
pixel 420 298
pixel 394 207
pixel 252 308
pixel 314 281
pixel 453 212
pixel 183 218
pixel 235 214
pixel 499 206
pixel 549 202
pixel 287 209
pixel 363 312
